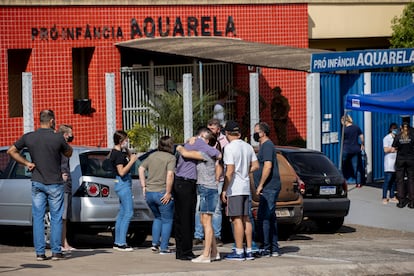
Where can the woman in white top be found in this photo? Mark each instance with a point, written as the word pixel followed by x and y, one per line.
pixel 390 155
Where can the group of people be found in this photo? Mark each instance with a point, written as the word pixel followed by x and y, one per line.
pixel 398 145
pixel 213 168
pixel 216 165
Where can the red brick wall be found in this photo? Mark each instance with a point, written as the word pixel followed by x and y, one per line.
pixel 51 60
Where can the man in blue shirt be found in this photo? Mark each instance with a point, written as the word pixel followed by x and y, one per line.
pixel 267 182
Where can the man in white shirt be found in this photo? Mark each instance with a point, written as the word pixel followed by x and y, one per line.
pixel 240 160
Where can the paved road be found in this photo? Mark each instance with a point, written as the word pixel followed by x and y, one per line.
pixel 356 249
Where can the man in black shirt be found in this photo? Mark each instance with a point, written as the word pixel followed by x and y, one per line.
pixel 45 148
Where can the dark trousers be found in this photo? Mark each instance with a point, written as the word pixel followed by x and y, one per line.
pixel 185 198
pixel 405 189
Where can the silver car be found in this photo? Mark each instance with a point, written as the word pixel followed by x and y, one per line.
pixel 95 204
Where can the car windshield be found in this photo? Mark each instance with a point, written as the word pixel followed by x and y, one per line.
pixel 311 163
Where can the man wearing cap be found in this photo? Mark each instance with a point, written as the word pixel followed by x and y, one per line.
pixel 240 160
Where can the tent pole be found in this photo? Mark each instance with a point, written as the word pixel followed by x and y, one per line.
pixel 342 140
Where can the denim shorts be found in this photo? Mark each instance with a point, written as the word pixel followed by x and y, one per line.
pixel 208 199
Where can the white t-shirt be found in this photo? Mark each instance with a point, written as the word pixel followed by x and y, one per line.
pixel 389 158
pixel 241 155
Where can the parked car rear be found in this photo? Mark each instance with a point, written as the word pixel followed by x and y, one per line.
pixel 95 204
pixel 324 189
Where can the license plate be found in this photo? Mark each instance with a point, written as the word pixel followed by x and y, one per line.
pixel 327 190
pixel 282 213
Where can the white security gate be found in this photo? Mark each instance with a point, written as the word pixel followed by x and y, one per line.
pixel 140 84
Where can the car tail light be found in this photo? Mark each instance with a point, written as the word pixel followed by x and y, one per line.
pixel 344 188
pixel 91 189
pixel 302 186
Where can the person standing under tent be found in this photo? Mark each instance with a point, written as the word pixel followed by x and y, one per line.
pixel 390 154
pixel 353 145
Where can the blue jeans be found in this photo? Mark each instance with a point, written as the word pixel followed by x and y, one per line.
pixel 353 158
pixel 389 184
pixel 42 195
pixel 123 189
pixel 266 219
pixel 163 218
pixel 217 217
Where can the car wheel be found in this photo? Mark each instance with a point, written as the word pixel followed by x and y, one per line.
pixel 330 225
pixel 47 228
pixel 136 237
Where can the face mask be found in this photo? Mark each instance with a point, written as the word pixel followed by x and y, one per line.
pixel 53 125
pixel 394 131
pixel 70 139
pixel 124 144
pixel 256 136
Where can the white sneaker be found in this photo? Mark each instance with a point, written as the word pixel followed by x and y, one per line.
pixel 201 259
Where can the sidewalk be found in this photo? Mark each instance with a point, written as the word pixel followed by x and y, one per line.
pixel 302 258
pixel 367 209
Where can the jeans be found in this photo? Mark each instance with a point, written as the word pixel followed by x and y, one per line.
pixel 353 158
pixel 266 219
pixel 163 218
pixel 389 184
pixel 123 189
pixel 42 195
pixel 217 217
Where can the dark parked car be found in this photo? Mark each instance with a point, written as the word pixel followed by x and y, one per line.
pixel 324 189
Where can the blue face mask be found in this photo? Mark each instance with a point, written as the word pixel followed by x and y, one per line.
pixel 394 131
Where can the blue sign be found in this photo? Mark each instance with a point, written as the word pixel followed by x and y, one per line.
pixel 356 60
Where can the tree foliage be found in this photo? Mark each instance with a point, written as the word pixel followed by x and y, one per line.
pixel 166 117
pixel 403 32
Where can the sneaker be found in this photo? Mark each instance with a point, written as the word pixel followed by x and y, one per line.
pixel 115 246
pixel 235 257
pixel 217 257
pixel 155 249
pixel 41 257
pixel 166 252
pixel 197 242
pixel 123 248
pixel 249 256
pixel 385 201
pixel 57 256
pixel 358 185
pixel 265 253
pixel 394 200
pixel 276 254
pixel 219 243
pixel 201 259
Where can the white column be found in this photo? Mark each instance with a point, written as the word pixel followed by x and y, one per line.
pixel 27 101
pixel 254 104
pixel 110 108
pixel 368 128
pixel 313 111
pixel 188 105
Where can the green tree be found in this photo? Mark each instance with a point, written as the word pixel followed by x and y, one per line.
pixel 403 31
pixel 166 117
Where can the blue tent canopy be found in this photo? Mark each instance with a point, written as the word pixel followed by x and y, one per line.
pixel 397 101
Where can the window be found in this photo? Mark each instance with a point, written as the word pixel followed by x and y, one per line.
pixel 18 60
pixel 96 164
pixel 81 58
